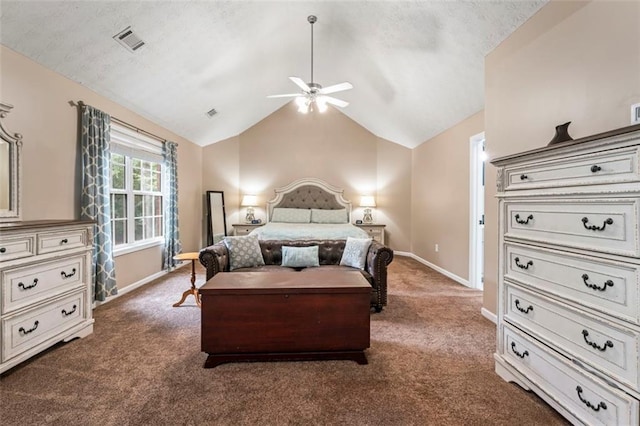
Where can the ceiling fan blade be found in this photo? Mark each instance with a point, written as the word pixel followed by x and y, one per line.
pixel 300 83
pixel 288 95
pixel 337 102
pixel 336 88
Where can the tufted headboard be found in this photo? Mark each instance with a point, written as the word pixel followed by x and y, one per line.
pixel 309 193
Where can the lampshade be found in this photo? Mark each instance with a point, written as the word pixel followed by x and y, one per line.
pixel 249 201
pixel 367 201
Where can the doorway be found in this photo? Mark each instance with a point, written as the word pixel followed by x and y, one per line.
pixel 476 209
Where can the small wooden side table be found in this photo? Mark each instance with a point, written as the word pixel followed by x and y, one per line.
pixel 375 230
pixel 192 256
pixel 244 228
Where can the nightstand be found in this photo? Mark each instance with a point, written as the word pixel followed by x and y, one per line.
pixel 375 230
pixel 244 228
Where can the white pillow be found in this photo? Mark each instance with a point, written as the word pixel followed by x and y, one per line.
pixel 355 252
pixel 329 216
pixel 300 257
pixel 244 252
pixel 288 215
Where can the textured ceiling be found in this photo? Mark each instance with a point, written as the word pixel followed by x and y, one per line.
pixel 416 66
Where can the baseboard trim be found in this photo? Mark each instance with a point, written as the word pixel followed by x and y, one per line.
pixel 489 315
pixel 435 267
pixel 137 284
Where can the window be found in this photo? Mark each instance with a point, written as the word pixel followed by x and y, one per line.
pixel 137 200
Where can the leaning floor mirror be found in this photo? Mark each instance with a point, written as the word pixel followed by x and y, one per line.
pixel 216 218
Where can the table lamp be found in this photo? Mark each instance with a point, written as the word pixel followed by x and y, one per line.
pixel 367 201
pixel 249 201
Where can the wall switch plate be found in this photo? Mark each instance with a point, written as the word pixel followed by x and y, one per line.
pixel 635 113
pixel 437 248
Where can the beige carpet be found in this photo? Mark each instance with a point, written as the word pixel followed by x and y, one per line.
pixel 430 363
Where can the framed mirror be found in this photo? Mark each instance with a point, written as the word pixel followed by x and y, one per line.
pixel 10 165
pixel 216 217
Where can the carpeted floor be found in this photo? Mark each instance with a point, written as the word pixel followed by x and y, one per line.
pixel 430 363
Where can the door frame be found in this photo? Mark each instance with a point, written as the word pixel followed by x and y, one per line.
pixel 476 202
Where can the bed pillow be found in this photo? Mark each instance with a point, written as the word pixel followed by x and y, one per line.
pixel 288 215
pixel 329 216
pixel 355 252
pixel 300 257
pixel 244 252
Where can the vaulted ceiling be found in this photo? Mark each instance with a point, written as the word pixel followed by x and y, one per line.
pixel 417 67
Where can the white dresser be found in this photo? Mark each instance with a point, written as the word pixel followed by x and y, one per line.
pixel 45 286
pixel 569 276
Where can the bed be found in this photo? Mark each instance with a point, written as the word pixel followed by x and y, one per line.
pixel 307 209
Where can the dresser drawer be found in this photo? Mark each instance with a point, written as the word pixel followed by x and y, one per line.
pixel 17 247
pixel 605 346
pixel 605 225
pixel 591 400
pixel 605 286
pixel 64 240
pixel 618 165
pixel 30 284
pixel 24 331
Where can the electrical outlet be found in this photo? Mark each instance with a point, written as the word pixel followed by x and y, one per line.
pixel 635 113
pixel 437 248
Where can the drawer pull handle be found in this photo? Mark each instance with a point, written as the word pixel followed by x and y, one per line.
pixel 65 275
pixel 522 221
pixel 65 241
pixel 608 283
pixel 513 349
pixel 609 221
pixel 595 168
pixel 607 344
pixel 31 330
pixel 2 249
pixel 27 287
pixel 524 177
pixel 524 311
pixel 521 266
pixel 588 404
pixel 66 314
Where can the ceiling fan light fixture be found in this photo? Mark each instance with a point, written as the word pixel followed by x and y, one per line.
pixel 304 105
pixel 321 103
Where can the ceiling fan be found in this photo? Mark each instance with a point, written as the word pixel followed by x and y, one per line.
pixel 314 93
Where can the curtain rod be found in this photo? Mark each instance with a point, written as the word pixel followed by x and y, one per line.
pixel 130 126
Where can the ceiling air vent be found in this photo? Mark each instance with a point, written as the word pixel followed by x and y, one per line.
pixel 129 39
pixel 211 112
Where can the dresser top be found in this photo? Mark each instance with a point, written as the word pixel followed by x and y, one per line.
pixel 568 145
pixel 35 224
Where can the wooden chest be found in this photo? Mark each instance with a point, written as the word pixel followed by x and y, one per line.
pixel 255 316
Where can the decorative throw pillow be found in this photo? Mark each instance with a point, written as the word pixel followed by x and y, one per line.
pixel 244 252
pixel 287 215
pixel 329 216
pixel 355 252
pixel 300 257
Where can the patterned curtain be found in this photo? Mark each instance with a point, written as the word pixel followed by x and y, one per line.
pixel 96 204
pixel 172 244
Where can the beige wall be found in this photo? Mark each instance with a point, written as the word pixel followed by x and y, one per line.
pixel 394 194
pixel 572 61
pixel 51 174
pixel 287 145
pixel 221 172
pixel 440 197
